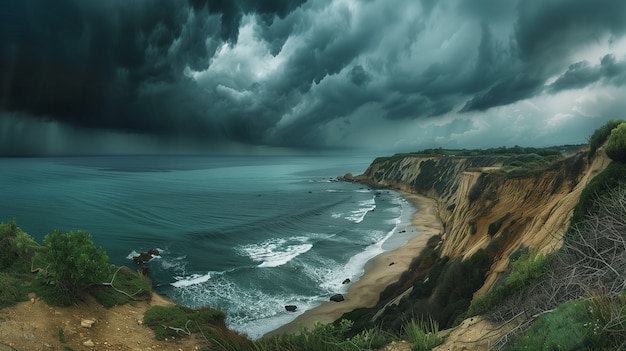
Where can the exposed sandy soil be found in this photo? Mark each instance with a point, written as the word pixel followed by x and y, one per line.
pixel 33 325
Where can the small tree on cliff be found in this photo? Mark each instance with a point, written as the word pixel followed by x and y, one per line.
pixel 616 146
pixel 15 246
pixel 74 263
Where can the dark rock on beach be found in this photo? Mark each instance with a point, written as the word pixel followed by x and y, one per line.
pixel 337 298
pixel 291 308
pixel 346 281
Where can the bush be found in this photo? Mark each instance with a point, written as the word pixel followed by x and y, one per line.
pixel 616 146
pixel 8 291
pixel 74 263
pixel 600 135
pixel 15 246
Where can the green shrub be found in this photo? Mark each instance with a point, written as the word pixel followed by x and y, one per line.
pixel 135 285
pixel 616 146
pixel 74 263
pixel 16 247
pixel 600 135
pixel 8 290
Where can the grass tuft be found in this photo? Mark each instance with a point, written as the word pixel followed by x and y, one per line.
pixel 423 335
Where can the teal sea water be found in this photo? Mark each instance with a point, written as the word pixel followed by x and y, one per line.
pixel 247 235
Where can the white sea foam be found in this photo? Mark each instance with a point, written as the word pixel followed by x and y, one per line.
pixel 275 259
pixel 273 315
pixel 358 215
pixel 191 280
pixel 255 312
pixel 175 264
pixel 132 254
pixel 277 251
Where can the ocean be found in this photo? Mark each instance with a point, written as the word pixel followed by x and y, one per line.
pixel 243 234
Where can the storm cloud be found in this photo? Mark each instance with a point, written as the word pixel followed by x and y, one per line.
pixel 213 76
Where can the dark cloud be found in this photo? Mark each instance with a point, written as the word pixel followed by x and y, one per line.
pixel 578 75
pixel 358 75
pixel 117 64
pixel 583 74
pixel 508 91
pixel 296 73
pixel 546 34
pixel 553 29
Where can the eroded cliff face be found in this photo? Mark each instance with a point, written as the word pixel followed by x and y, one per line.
pixel 482 208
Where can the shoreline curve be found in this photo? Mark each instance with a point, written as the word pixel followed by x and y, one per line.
pixel 379 273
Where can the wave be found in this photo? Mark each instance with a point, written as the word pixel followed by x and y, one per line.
pixel 358 215
pixel 191 280
pixel 277 251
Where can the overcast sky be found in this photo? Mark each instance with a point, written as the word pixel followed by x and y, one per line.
pixel 268 76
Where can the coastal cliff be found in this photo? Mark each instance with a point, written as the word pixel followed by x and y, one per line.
pixel 489 205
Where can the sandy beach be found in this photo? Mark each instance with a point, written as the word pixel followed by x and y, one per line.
pixel 380 274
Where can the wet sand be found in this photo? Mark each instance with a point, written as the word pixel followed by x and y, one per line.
pixel 380 272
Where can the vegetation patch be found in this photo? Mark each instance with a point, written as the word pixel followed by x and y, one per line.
pixel 423 335
pixel 525 271
pixel 178 320
pixel 73 263
pixel 566 328
pixel 599 186
pixel 9 293
pixel 477 189
pixel 456 287
pixel 125 286
pixel 495 226
pixel 331 337
pixel 600 135
pixel 616 146
pixel 16 248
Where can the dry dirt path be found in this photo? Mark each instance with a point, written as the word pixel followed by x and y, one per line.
pixel 34 326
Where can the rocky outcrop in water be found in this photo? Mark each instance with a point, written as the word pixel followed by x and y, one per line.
pixel 144 257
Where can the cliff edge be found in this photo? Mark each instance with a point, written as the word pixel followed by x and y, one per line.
pixel 488 204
